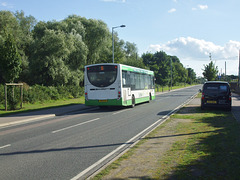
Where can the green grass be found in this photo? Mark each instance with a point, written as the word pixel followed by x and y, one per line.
pixel 52 104
pixel 166 88
pixel 210 149
pixel 38 106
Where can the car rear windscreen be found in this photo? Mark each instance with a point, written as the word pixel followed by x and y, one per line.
pixel 216 88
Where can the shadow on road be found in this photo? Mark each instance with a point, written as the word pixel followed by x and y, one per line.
pixel 63 149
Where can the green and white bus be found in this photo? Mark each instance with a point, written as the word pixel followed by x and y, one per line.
pixel 110 84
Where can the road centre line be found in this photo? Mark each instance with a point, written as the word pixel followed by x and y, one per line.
pixel 79 176
pixel 59 130
pixel 8 145
pixel 156 124
pixel 69 127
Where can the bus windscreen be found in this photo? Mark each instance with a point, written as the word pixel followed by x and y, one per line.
pixel 102 75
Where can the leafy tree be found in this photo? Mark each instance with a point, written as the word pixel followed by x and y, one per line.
pixel 61 52
pixel 210 71
pixel 8 25
pixel 191 75
pixel 130 49
pixel 47 60
pixel 97 36
pixel 160 64
pixel 10 60
pixel 20 28
pixel 180 74
pixel 26 25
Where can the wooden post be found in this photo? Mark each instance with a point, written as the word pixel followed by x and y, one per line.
pixel 21 92
pixel 5 97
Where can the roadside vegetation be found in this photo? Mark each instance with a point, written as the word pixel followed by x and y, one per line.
pixel 49 57
pixel 38 97
pixel 210 149
pixel 207 146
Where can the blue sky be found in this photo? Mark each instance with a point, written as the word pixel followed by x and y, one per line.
pixel 188 29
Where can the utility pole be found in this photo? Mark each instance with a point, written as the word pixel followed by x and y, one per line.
pixel 210 56
pixel 225 69
pixel 239 69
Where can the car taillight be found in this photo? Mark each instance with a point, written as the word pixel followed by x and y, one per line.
pixel 119 94
pixel 230 96
pixel 202 96
pixel 86 96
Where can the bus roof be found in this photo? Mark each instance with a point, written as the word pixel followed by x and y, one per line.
pixel 127 68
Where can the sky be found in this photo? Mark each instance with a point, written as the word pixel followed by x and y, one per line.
pixel 193 30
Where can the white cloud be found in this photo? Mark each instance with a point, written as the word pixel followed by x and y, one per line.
pixel 203 7
pixel 172 10
pixel 195 52
pixel 6 5
pixel 200 7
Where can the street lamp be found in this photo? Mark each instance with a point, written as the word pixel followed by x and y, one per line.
pixel 113 39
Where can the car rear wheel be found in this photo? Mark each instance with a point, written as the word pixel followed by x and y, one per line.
pixel 229 108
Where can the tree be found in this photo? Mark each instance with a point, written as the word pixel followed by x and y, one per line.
pixel 210 71
pixel 96 38
pixel 47 62
pixel 10 60
pixel 160 63
pixel 191 75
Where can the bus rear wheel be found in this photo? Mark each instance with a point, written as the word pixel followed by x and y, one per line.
pixel 150 98
pixel 133 101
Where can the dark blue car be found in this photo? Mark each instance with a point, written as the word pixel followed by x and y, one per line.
pixel 216 94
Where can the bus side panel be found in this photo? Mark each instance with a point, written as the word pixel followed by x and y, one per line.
pixel 108 102
pixel 143 95
pixel 126 96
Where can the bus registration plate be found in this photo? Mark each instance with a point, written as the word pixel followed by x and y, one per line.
pixel 103 100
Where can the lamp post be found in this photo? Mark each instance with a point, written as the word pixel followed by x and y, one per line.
pixel 113 39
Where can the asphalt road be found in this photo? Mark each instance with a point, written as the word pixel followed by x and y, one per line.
pixel 75 145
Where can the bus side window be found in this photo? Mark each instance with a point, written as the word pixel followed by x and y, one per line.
pixel 126 78
pixel 132 79
pixel 124 81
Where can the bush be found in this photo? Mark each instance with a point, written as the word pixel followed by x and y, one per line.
pixel 39 93
pixel 2 94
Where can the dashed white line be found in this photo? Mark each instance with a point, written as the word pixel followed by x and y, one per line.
pixel 157 123
pixel 8 145
pixel 69 127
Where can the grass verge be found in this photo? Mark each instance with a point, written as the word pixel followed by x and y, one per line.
pixel 39 106
pixel 210 151
pixel 208 147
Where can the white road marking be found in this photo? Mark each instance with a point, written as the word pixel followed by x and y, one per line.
pixel 8 145
pixel 69 127
pixel 157 123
